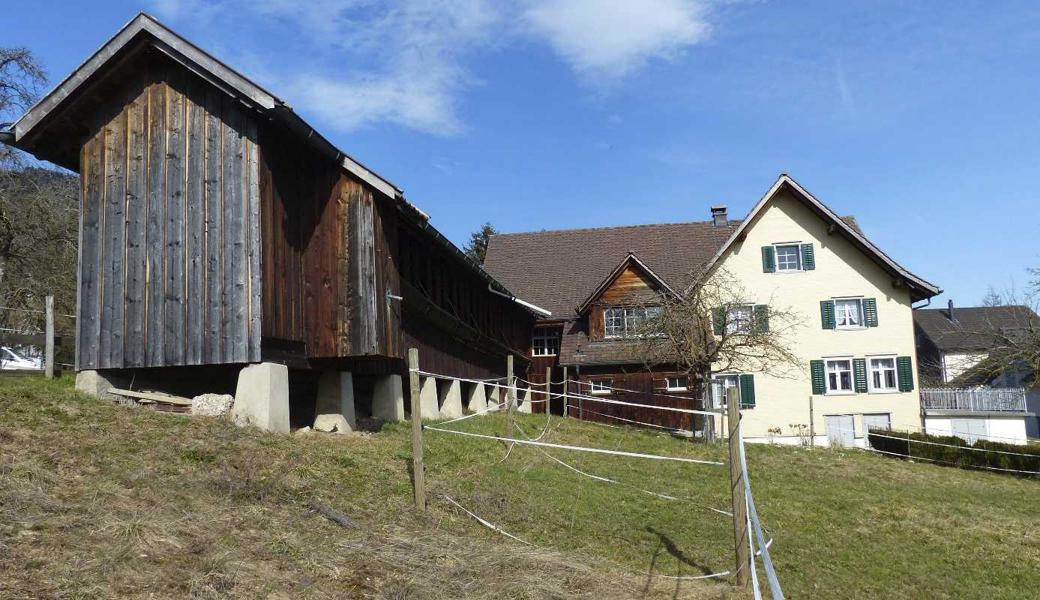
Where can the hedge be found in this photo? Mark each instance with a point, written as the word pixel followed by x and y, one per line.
pixel 1020 458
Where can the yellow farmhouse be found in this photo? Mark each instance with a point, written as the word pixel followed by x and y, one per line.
pixel 848 307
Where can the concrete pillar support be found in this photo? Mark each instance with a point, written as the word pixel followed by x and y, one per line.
pixel 388 398
pixel 523 401
pixel 95 383
pixel 450 395
pixel 262 397
pixel 477 400
pixel 335 403
pixel 428 408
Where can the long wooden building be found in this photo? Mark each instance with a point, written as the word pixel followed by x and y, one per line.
pixel 218 229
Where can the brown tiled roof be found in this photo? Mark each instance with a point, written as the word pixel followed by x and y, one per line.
pixel 557 270
pixel 972 328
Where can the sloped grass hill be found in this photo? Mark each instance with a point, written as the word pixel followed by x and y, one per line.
pixel 98 500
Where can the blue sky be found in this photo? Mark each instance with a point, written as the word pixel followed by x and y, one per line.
pixel 921 119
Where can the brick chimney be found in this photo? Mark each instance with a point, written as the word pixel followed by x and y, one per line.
pixel 718 215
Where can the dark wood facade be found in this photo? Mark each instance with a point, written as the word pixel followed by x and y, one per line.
pixel 617 362
pixel 218 228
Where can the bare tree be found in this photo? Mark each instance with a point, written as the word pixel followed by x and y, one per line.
pixel 992 298
pixel 38 213
pixel 715 327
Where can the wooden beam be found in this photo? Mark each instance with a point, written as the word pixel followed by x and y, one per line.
pixel 163 398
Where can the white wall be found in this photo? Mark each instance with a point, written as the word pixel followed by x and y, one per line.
pixel 1009 430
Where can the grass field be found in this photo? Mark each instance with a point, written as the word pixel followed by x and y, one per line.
pixel 98 500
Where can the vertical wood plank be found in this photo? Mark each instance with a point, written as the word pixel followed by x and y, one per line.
pixel 136 220
pixel 155 229
pixel 234 329
pixel 48 351
pixel 213 350
pixel 110 351
pixel 175 218
pixel 253 265
pixel 90 217
pixel 195 298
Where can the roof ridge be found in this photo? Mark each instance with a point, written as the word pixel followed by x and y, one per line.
pixel 731 223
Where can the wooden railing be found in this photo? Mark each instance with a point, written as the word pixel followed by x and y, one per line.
pixel 974 399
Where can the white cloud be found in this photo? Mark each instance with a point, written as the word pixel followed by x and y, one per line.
pixel 405 61
pixel 605 38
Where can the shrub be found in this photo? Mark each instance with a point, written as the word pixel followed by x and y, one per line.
pixel 957 452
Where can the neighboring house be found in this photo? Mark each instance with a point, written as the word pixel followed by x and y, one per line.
pixel 966 395
pixel 856 338
pixel 222 238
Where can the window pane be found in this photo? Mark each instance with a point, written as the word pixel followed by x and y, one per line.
pixel 788 258
pixel 848 313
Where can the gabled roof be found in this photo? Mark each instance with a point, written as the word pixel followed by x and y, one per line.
pixel 144 27
pixel 973 328
pixel 919 288
pixel 629 260
pixel 558 270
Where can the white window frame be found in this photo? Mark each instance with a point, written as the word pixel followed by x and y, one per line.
pixel 719 387
pixel 677 388
pixel 827 376
pixel 628 315
pixel 862 314
pixel 550 336
pixel 798 256
pixel 603 390
pixel 870 374
pixel 734 325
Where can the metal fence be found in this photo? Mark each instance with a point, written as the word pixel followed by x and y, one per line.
pixel 974 399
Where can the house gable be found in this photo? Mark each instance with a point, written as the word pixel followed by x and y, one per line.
pixel 631 283
pixel 835 227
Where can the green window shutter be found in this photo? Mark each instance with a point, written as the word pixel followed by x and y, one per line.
pixel 761 317
pixel 768 259
pixel 808 257
pixel 718 320
pixel 859 372
pixel 747 390
pixel 819 386
pixel 906 374
pixel 870 311
pixel 827 313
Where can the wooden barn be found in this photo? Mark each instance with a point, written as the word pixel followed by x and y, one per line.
pixel 219 230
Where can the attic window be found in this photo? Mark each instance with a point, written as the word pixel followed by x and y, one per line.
pixel 628 322
pixel 788 257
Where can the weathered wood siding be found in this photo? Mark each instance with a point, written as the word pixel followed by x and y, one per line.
pixel 328 244
pixel 643 387
pixel 169 261
pixel 631 288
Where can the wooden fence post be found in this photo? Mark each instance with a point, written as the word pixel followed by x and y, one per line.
pixel 418 475
pixel 510 396
pixel 812 424
pixel 566 388
pixel 49 343
pixel 736 483
pixel 548 390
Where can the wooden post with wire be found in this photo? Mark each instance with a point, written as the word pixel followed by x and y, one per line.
pixel 548 391
pixel 510 396
pixel 48 355
pixel 812 424
pixel 418 475
pixel 566 388
pixel 736 483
